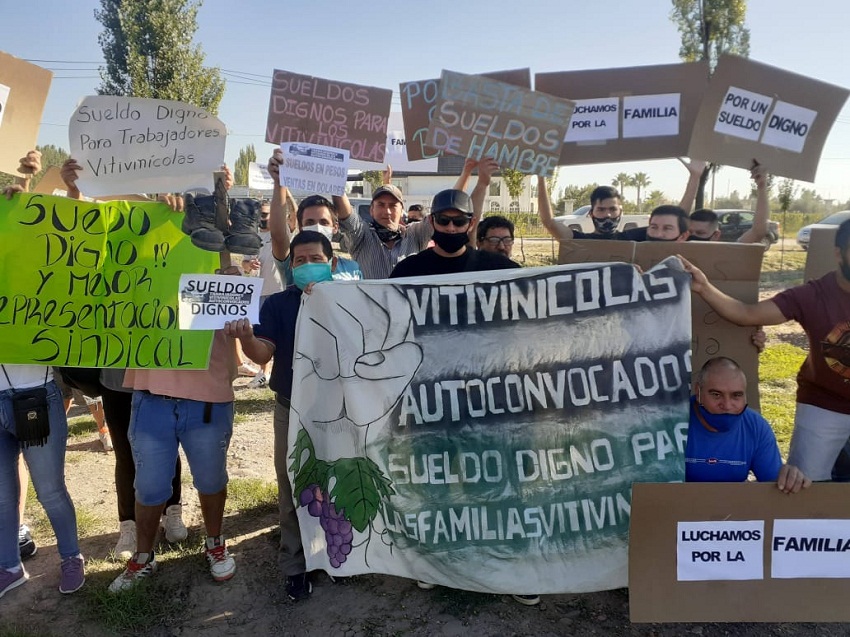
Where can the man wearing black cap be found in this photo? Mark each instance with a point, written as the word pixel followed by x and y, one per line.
pixel 451 214
pixel 378 248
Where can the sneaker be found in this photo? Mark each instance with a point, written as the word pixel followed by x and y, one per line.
pixel 247 370
pixel 527 600
pixel 73 575
pixel 26 545
pixel 298 587
pixel 222 564
pixel 133 573
pixel 259 381
pixel 425 586
pixel 126 545
pixel 172 524
pixel 105 439
pixel 10 580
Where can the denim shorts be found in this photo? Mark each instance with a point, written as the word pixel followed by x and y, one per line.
pixel 158 424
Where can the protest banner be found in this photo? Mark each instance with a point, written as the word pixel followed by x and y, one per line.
pixel 482 430
pixel 739 552
pixel 138 145
pixel 95 284
pixel 208 301
pixel 752 111
pixel 479 117
pixel 312 110
pixel 396 155
pixel 625 114
pixel 734 268
pixel 259 177
pixel 313 168
pixel 419 100
pixel 23 92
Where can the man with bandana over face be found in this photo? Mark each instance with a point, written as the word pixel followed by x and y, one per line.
pixel 727 439
pixel 822 307
pixel 451 215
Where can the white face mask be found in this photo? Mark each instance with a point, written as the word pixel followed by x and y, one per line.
pixel 328 231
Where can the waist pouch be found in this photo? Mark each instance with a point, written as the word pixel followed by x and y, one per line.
pixel 32 416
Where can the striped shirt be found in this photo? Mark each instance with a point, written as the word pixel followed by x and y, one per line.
pixel 375 258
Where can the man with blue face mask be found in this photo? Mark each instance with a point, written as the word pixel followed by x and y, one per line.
pixel 727 439
pixel 312 262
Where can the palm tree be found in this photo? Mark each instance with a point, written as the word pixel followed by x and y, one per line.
pixel 621 181
pixel 640 180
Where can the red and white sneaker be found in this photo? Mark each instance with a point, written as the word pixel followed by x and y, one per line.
pixel 222 564
pixel 133 574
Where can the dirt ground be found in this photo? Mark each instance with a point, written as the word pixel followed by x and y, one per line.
pixel 254 601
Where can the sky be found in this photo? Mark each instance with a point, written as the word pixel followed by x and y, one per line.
pixel 382 43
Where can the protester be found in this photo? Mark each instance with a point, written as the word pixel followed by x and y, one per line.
pixel 822 307
pixel 312 262
pixel 727 439
pixel 415 214
pixel 496 234
pixel 667 223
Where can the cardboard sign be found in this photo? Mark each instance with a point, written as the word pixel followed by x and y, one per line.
pixel 397 150
pixel 479 117
pixel 312 110
pixel 259 177
pixel 100 286
pixel 752 111
pixel 733 268
pixel 803 550
pixel 626 114
pixel 419 100
pixel 820 257
pixel 208 301
pixel 23 92
pixel 313 168
pixel 521 457
pixel 134 144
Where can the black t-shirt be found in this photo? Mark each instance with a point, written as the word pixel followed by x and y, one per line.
pixel 632 234
pixel 429 262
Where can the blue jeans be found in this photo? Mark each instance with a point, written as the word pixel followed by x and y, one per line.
pixel 47 472
pixel 158 424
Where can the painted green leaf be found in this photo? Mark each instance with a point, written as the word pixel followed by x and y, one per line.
pixel 312 472
pixel 359 487
pixel 302 444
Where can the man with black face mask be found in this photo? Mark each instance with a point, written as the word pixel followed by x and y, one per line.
pixel 822 307
pixel 451 214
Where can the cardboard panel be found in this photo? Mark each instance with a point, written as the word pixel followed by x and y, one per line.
pixel 639 89
pixel 820 257
pixel 303 108
pixel 23 91
pixel 655 594
pixel 752 111
pixel 419 99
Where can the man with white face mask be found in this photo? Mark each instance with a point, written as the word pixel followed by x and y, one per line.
pixel 314 213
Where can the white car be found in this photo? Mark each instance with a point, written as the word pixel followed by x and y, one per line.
pixel 581 221
pixel 835 219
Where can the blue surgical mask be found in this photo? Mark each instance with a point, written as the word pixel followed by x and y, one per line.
pixel 309 273
pixel 721 422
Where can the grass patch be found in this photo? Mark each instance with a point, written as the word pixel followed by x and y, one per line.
pixel 81 426
pixel 151 603
pixel 89 523
pixel 245 494
pixel 778 368
pixel 15 630
pixel 249 408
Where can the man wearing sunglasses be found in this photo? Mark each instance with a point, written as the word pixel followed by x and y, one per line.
pixel 451 215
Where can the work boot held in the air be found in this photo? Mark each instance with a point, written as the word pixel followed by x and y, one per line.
pixel 199 223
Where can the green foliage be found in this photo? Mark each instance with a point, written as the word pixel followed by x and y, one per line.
pixel 710 28
pixel 359 486
pixel 514 182
pixel 639 181
pixel 580 195
pixel 244 494
pixel 621 181
pixel 374 178
pixel 150 603
pixel 786 194
pixel 147 45
pixel 654 199
pixel 240 168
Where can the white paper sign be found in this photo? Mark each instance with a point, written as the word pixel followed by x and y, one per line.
pixel 132 144
pixel 594 120
pixel 718 550
pixel 313 168
pixel 259 177
pixel 810 548
pixel 4 98
pixel 742 114
pixel 208 301
pixel 788 126
pixel 651 115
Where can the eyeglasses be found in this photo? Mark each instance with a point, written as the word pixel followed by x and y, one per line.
pixel 495 241
pixel 444 220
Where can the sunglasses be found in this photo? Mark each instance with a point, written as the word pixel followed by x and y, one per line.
pixel 444 220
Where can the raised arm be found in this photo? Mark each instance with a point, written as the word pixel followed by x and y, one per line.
pixel 758 232
pixel 278 227
pixel 30 165
pixel 695 169
pixel 486 168
pixel 544 206
pixel 732 309
pixel 70 173
pixel 463 181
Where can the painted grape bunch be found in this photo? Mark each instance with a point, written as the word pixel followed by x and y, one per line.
pixel 338 532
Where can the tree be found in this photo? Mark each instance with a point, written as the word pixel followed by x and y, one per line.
pixel 708 29
pixel 552 181
pixel 514 182
pixel 147 45
pixel 374 178
pixel 579 195
pixel 240 169
pixel 621 181
pixel 655 199
pixel 639 181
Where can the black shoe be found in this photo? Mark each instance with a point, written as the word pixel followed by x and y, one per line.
pixel 199 223
pixel 242 237
pixel 26 545
pixel 298 587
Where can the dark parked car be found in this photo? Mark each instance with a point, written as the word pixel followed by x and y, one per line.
pixel 734 223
